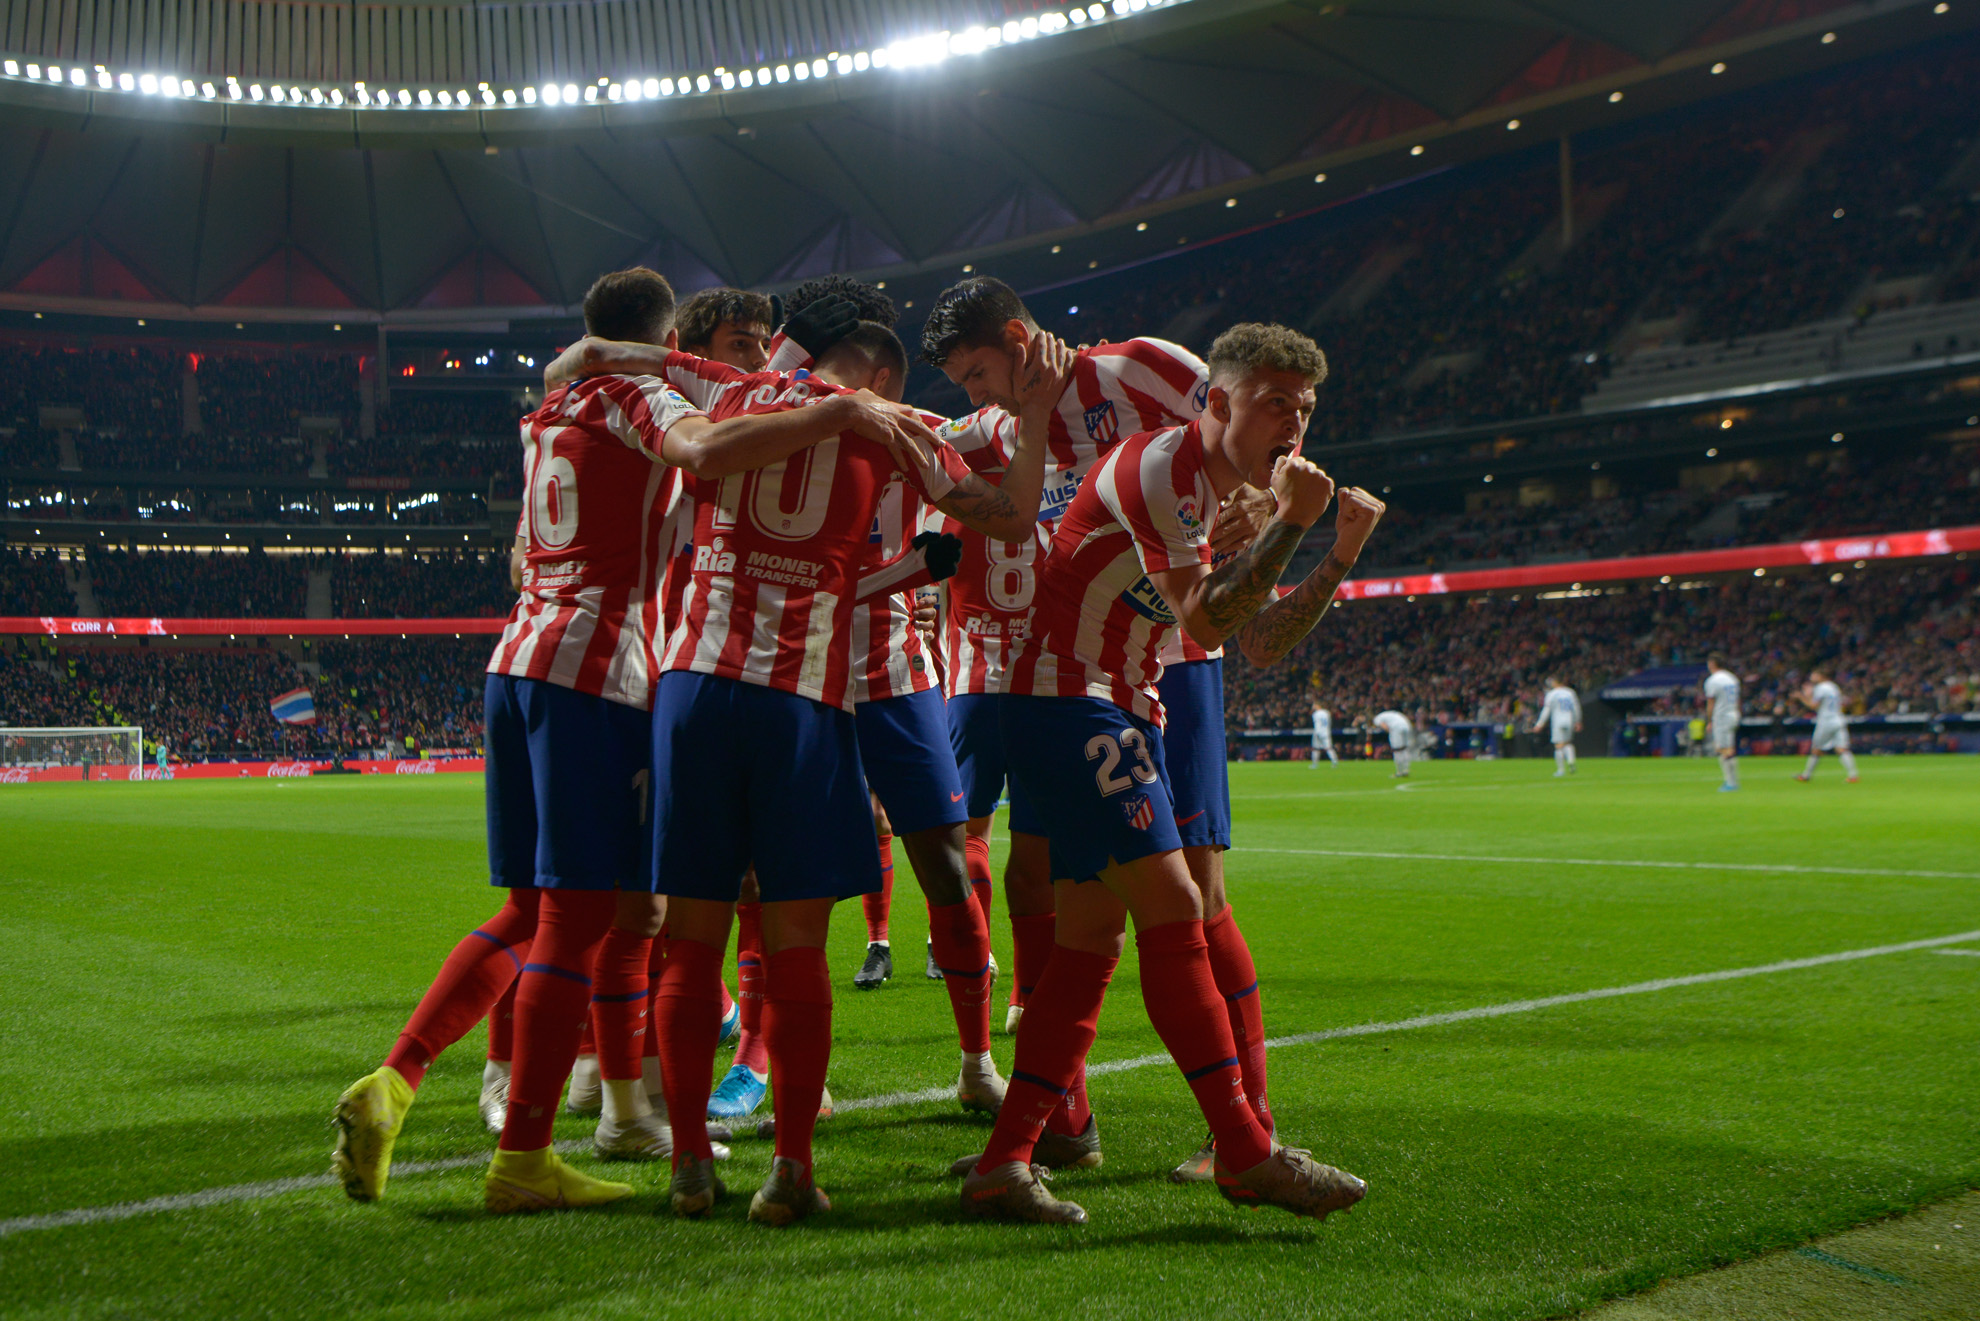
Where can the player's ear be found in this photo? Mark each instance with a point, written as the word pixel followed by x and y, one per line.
pixel 1218 403
pixel 883 384
pixel 673 341
pixel 1017 335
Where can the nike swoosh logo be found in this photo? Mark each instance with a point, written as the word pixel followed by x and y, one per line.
pixel 1185 820
pixel 955 798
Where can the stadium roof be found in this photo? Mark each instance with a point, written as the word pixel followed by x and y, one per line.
pixel 920 136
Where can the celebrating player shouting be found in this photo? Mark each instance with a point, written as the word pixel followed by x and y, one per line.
pixel 1082 730
pixel 976 334
pixel 755 753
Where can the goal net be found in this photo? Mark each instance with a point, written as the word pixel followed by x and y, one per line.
pixel 87 747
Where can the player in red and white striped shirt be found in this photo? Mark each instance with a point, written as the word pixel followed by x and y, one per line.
pixel 1083 733
pixel 756 759
pixel 568 750
pixel 1119 389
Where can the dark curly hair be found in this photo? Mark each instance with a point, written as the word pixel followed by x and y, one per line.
pixel 704 311
pixel 873 305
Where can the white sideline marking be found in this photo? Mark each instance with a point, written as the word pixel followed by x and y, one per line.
pixel 1626 862
pixel 243 1192
pixel 1964 953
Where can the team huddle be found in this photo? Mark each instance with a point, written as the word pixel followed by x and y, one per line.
pixel 713 696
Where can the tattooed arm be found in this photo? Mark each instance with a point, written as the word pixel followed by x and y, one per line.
pixel 1212 604
pixel 1281 626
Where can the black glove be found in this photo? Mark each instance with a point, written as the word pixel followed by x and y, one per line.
pixel 942 551
pixel 822 323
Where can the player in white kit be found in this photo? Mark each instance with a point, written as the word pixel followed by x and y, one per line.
pixel 1821 696
pixel 1561 709
pixel 1323 736
pixel 1722 719
pixel 1402 738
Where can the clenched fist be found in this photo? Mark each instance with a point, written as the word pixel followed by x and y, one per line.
pixel 1302 490
pixel 1357 516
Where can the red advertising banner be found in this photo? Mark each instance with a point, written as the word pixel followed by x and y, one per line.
pixel 38 775
pixel 253 770
pixel 58 626
pixel 1792 554
pixel 1783 555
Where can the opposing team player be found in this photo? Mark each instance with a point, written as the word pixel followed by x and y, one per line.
pixel 756 758
pixel 1560 714
pixel 1821 696
pixel 1402 739
pixel 1722 719
pixel 568 689
pixel 1323 737
pixel 1082 731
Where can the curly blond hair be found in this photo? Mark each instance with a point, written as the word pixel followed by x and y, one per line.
pixel 1253 346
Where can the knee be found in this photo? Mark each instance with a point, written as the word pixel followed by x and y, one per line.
pixel 641 914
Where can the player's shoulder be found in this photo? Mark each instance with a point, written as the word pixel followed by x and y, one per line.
pixel 1143 349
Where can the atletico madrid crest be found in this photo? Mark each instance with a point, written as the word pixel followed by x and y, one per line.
pixel 1139 811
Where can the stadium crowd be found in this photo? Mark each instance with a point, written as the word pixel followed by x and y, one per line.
pixel 1898 640
pixel 384 696
pixel 1454 305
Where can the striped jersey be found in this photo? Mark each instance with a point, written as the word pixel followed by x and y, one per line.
pixel 1146 508
pixel 888 657
pixel 779 553
pixel 597 518
pixel 1117 390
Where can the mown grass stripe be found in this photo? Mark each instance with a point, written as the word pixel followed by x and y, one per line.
pixel 242 1192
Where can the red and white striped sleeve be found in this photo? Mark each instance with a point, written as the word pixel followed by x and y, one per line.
pixel 641 410
pixel 705 382
pixel 1161 384
pixel 1168 507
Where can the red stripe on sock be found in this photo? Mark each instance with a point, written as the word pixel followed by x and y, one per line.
pixel 688 1020
pixel 551 999
pixel 1053 1037
pixel 1237 981
pixel 962 950
pixel 797 1024
pixel 1188 1015
pixel 619 994
pixel 876 906
pixel 473 977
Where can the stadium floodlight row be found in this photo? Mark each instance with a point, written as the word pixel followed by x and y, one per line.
pixel 1856 551
pixel 908 52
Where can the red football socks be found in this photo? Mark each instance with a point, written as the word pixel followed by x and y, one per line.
pixel 976 864
pixel 877 905
pixel 962 951
pixel 470 981
pixel 1053 1038
pixel 1031 945
pixel 551 999
pixel 619 995
pixel 1237 982
pixel 688 1020
pixel 750 1050
pixel 1070 1116
pixel 1186 1011
pixel 797 1024
pixel 502 1027
pixel 656 962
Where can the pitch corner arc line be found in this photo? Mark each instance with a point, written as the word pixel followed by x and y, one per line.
pixel 246 1192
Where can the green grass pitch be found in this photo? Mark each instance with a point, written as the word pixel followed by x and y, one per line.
pixel 193 971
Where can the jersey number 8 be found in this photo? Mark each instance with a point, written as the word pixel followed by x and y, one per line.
pixel 1012 580
pixel 1106 749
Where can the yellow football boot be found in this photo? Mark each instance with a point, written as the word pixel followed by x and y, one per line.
pixel 368 1118
pixel 524 1181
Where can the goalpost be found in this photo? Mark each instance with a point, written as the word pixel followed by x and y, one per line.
pixel 87 746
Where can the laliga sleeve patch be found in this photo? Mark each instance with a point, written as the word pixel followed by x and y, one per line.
pixel 1190 519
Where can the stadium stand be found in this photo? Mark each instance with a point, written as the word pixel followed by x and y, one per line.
pixel 1819 230
pixel 1899 641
